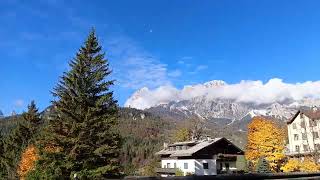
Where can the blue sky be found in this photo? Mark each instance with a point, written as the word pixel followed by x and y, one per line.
pixel 154 43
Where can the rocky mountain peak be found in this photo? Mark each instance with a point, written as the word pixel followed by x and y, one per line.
pixel 214 83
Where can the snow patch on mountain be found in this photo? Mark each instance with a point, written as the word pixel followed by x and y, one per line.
pixel 256 92
pixel 225 104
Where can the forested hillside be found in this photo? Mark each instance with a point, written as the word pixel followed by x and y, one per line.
pixel 143 134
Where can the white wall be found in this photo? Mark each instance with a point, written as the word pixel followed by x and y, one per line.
pixel 195 166
pixel 180 164
pixel 310 141
pixel 212 170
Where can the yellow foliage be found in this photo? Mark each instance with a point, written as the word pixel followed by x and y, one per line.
pixel 27 162
pixel 308 165
pixel 265 139
pixel 182 134
pixel 293 165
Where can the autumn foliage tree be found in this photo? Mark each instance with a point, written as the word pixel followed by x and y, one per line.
pixel 265 139
pixel 27 162
pixel 193 129
pixel 292 165
pixel 306 165
pixel 309 165
pixel 182 134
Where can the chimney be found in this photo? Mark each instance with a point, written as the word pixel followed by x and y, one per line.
pixel 208 138
pixel 314 108
pixel 165 145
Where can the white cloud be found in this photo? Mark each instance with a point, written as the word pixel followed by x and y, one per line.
pixel 19 103
pixel 275 90
pixel 199 68
pixel 175 73
pixel 134 66
pixel 145 98
pixel 184 61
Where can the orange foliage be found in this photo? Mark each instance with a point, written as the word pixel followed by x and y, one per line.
pixel 27 162
pixel 293 165
pixel 265 139
pixel 307 165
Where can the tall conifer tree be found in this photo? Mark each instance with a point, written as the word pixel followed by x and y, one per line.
pixel 18 139
pixel 81 136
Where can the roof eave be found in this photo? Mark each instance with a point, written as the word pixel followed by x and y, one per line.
pixel 294 117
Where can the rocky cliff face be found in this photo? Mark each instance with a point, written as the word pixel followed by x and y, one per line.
pixel 220 111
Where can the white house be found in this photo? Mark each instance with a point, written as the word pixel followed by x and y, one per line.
pixel 206 157
pixel 303 133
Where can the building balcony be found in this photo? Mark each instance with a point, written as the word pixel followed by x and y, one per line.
pixel 301 153
pixel 168 171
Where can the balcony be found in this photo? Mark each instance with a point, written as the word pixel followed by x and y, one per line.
pixel 168 171
pixel 300 153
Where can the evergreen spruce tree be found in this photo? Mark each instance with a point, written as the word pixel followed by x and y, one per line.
pixel 3 171
pixel 81 136
pixel 263 166
pixel 32 121
pixel 20 137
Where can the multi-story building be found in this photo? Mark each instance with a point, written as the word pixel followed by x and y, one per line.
pixel 205 157
pixel 303 133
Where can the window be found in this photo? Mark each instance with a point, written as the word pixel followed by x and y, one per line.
pixel 227 166
pixel 175 165
pixel 296 137
pixel 185 165
pixel 315 135
pixel 297 148
pixel 179 147
pixel 205 165
pixel 304 136
pixel 168 165
pixel 301 115
pixel 312 123
pixel 317 147
pixel 303 124
pixel 294 126
pixel 305 148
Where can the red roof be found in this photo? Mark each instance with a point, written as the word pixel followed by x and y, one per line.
pixel 312 114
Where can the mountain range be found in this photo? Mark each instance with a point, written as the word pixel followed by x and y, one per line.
pixel 223 112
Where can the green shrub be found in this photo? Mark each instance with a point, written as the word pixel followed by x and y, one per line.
pixel 179 172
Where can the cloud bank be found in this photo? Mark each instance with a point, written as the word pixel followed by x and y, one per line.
pixel 135 67
pixel 247 91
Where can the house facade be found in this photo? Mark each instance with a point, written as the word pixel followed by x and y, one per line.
pixel 303 133
pixel 206 157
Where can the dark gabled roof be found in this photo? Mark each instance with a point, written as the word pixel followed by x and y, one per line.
pixel 183 143
pixel 294 117
pixel 199 145
pixel 312 114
